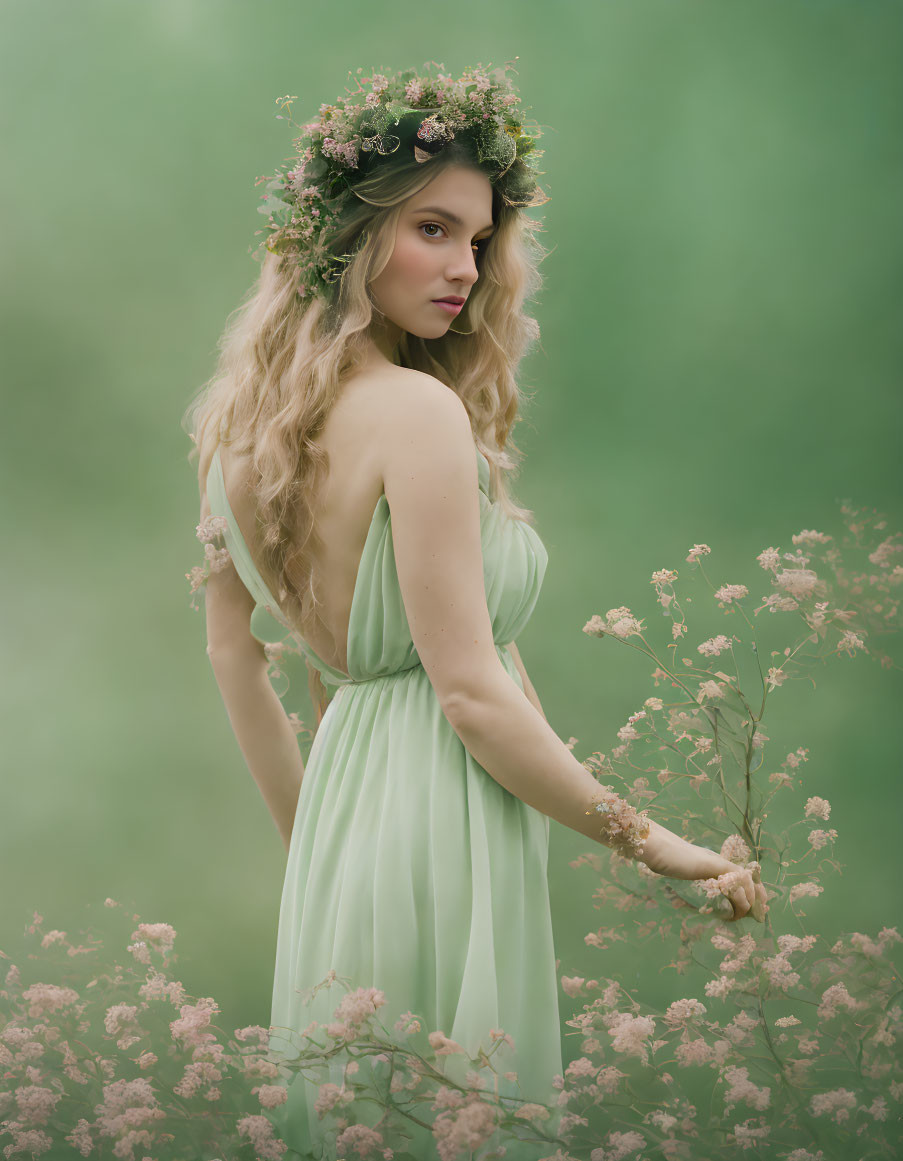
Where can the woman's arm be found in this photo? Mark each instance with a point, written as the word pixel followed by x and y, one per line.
pixel 528 684
pixel 258 719
pixel 430 482
pixel 263 732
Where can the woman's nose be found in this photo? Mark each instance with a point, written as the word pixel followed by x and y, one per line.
pixel 463 267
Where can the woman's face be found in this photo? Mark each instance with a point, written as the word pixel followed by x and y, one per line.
pixel 437 241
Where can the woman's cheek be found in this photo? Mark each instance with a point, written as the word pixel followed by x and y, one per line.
pixel 414 258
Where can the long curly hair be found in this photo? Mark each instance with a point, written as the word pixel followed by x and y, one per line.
pixel 282 361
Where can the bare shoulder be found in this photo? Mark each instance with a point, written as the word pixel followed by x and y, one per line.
pixel 431 483
pixel 420 417
pixel 404 389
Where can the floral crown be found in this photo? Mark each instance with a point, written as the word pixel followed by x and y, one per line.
pixel 386 118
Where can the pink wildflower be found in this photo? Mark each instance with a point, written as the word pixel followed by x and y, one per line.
pixel 710 689
pixel 809 537
pixel 719 988
pixel 833 999
pixel 463 1129
pixel 820 838
pixel 407 1024
pixel 882 554
pixel 850 642
pixel 778 604
pixel 680 1011
pixel 727 594
pixel 328 1096
pixel 820 807
pixel 734 849
pixel 209 529
pixel 804 890
pixel 360 1139
pixel 665 576
pixel 693 1052
pixel 618 622
pixel 532 1112
pixel 31 1141
pixel 798 582
pixel 158 936
pixel 630 1034
pixel 36 1103
pixel 714 646
pixel 741 1088
pixel 192 1022
pixel 442 1045
pixel 80 1137
pixel 44 998
pixel 260 1132
pixel 779 972
pixel 776 677
pixel 836 1104
pixel 359 1006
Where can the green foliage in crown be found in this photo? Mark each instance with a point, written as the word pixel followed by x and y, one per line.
pixel 387 118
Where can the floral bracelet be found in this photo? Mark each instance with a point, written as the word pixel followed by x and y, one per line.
pixel 625 829
pixel 215 558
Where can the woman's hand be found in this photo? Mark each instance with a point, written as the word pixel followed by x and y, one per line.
pixel 666 853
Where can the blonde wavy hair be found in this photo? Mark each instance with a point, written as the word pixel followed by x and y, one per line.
pixel 282 362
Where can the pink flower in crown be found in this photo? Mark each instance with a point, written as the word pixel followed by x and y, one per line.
pixel 378 82
pixel 296 176
pixel 343 152
pixel 413 91
pixel 432 129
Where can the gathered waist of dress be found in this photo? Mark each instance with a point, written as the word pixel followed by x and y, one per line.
pixel 335 678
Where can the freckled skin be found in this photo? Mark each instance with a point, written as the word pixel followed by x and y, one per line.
pixel 433 257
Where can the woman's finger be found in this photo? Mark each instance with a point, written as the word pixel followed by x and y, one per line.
pixel 738 898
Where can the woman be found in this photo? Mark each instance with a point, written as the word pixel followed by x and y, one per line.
pixel 354 446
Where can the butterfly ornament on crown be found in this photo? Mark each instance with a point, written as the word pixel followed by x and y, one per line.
pixel 384 119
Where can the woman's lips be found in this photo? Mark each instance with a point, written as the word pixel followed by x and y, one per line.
pixel 451 307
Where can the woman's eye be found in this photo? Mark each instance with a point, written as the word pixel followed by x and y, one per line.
pixel 437 226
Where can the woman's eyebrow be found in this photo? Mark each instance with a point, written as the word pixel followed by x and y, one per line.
pixel 448 214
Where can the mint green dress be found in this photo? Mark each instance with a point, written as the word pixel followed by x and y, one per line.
pixel 411 869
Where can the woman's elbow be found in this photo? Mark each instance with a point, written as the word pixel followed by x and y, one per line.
pixel 466 693
pixel 228 655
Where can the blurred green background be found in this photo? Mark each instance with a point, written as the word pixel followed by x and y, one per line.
pixel 720 362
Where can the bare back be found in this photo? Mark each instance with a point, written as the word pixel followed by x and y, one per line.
pixel 344 509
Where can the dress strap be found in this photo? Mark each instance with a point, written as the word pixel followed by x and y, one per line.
pixel 238 550
pixel 250 577
pixel 254 582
